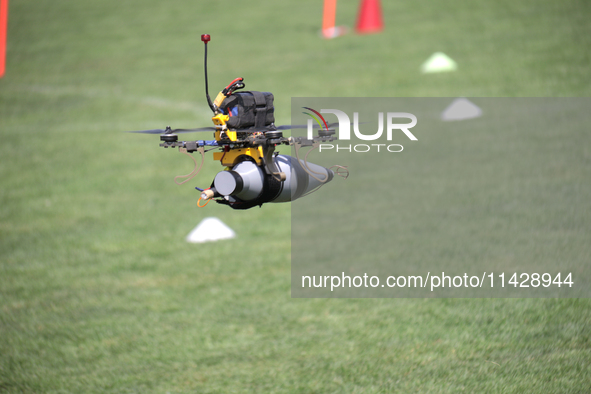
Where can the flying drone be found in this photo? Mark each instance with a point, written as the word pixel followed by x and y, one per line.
pixel 245 138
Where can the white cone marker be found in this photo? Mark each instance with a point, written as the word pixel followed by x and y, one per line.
pixel 461 109
pixel 210 229
pixel 439 62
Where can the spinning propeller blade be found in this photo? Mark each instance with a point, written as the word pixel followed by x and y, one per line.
pixel 301 126
pixel 198 130
pixel 287 127
pixel 170 131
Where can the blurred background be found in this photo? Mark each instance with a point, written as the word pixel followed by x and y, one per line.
pixel 99 292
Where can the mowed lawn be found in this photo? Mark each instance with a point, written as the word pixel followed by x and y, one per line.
pixel 99 292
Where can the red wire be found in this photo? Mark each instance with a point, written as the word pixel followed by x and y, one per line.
pixel 237 79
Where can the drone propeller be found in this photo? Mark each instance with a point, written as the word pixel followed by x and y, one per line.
pixel 301 126
pixel 288 127
pixel 168 130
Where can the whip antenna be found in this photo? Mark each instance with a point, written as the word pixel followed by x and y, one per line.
pixel 205 38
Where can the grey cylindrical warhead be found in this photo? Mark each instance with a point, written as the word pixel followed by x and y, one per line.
pixel 246 180
pixel 298 181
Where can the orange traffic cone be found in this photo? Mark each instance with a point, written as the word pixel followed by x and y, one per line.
pixel 370 17
pixel 329 30
pixel 3 28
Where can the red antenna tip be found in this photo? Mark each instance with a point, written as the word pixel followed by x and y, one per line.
pixel 205 38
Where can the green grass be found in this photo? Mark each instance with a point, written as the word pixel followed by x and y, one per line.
pixel 100 293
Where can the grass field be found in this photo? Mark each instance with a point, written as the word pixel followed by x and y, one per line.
pixel 99 292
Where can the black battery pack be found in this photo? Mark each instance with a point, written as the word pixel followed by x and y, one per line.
pixel 249 110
